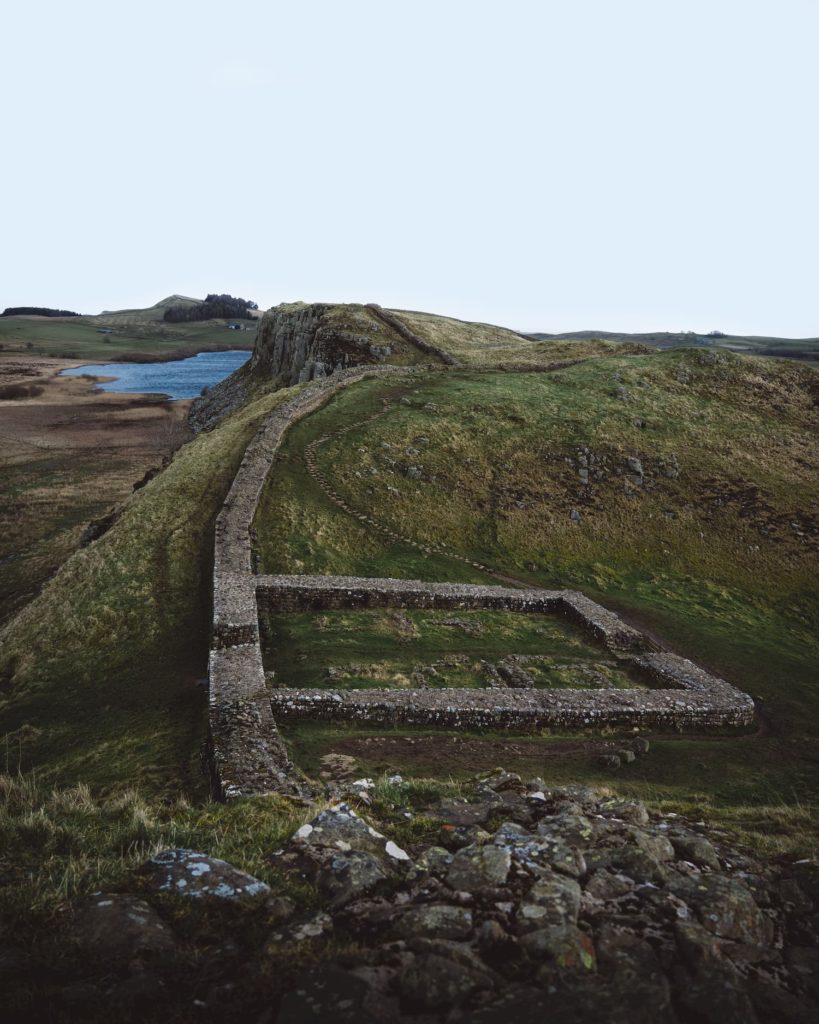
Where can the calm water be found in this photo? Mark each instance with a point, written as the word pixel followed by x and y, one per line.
pixel 182 378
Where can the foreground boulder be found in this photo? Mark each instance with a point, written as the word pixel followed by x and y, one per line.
pixel 112 927
pixel 343 856
pixel 188 873
pixel 523 904
pixel 574 908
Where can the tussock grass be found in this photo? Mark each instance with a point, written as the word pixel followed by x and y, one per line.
pixel 783 829
pixel 58 844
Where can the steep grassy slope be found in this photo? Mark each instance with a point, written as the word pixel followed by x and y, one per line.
pixel 712 545
pixel 721 477
pixel 101 674
pixel 69 456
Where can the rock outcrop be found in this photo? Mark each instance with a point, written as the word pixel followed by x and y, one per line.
pixel 298 342
pixel 518 903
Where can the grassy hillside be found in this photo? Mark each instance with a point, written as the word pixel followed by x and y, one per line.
pixel 724 446
pixel 101 676
pixel 137 334
pixel 750 344
pixel 475 344
pixel 155 312
pixel 714 550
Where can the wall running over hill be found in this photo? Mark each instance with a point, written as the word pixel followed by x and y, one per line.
pixel 298 342
pixel 247 754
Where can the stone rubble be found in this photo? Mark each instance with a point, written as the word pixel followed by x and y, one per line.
pixel 582 908
pixel 514 902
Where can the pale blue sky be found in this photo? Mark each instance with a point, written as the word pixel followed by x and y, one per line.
pixel 614 164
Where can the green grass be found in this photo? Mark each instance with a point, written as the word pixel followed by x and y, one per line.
pixel 100 672
pixel 312 535
pixel 718 562
pixel 398 649
pixel 79 338
pixel 476 344
pixel 497 485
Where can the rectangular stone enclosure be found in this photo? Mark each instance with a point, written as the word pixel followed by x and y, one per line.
pixel 681 694
pixel 246 752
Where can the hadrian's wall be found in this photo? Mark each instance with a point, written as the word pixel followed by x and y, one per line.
pixel 248 755
pixel 305 593
pixel 686 696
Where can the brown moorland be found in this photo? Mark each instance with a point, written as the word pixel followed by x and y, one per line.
pixel 69 454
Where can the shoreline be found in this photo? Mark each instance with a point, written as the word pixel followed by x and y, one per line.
pixel 175 355
pixel 59 432
pixel 98 379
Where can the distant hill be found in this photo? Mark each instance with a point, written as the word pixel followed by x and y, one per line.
pixel 750 344
pixel 122 334
pixel 155 313
pixel 36 311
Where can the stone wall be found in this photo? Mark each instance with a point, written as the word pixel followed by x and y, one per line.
pixel 398 325
pixel 305 593
pixel 690 696
pixel 521 710
pixel 247 754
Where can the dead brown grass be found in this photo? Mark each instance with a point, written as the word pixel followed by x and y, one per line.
pixel 68 454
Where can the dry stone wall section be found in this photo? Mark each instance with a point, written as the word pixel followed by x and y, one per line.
pixel 247 754
pixel 398 325
pixel 305 593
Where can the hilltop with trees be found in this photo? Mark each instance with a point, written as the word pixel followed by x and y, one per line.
pixel 214 307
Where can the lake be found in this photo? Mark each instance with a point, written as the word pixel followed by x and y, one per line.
pixel 180 378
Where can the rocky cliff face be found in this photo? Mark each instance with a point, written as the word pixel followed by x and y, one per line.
pixel 298 342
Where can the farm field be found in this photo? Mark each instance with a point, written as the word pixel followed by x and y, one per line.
pixel 131 335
